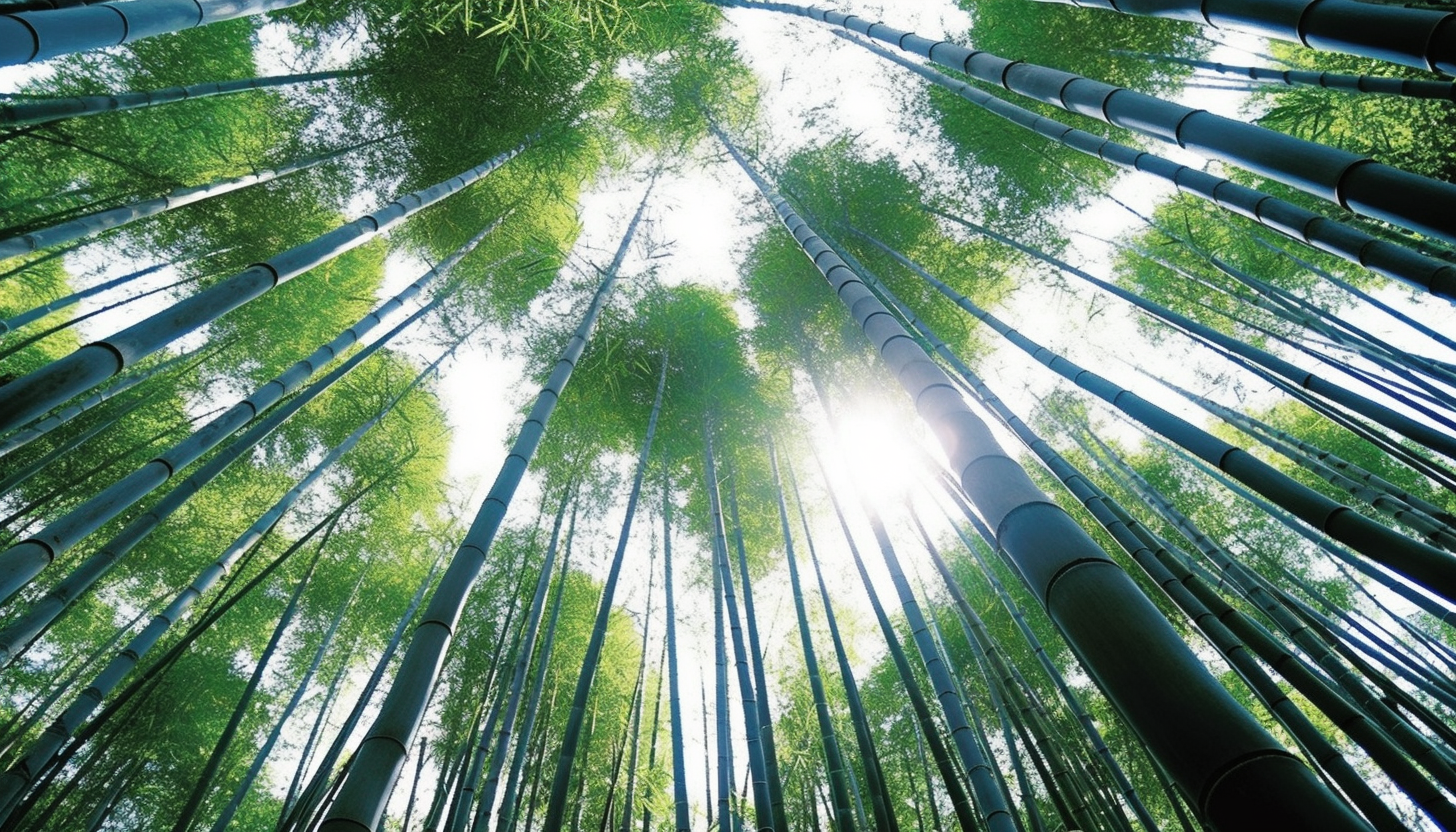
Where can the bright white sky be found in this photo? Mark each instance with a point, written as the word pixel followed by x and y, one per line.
pixel 702 216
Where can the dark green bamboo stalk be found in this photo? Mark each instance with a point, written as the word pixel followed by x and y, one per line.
pixel 83 577
pixel 1393 260
pixel 760 679
pixel 556 807
pixel 41 754
pixel 523 663
pixel 834 759
pixel 362 797
pixel 675 715
pixel 1241 777
pixel 38 35
pixel 219 751
pixel 1351 180
pixel 1380 84
pixel 20 563
pixel 1430 566
pixel 748 698
pixel 1420 38
pixel 880 799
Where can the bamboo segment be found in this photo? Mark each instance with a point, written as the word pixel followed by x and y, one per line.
pixel 39 391
pixel 1240 777
pixel 1353 181
pixel 36 36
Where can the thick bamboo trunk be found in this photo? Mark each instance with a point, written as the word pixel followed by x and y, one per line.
pixel 362 797
pixel 1242 777
pixel 1420 38
pixel 1426 564
pixel 38 35
pixel 20 438
pixel 1351 180
pixel 39 391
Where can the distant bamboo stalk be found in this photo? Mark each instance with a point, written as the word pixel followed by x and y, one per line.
pixel 46 110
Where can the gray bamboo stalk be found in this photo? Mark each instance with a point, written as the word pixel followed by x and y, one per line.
pixel 20 476
pixel 42 752
pixel 1426 564
pixel 362 797
pixel 561 782
pixel 70 323
pixel 58 599
pixel 36 313
pixel 302 810
pixel 707 751
pixel 994 404
pixel 1236 636
pixel 518 674
pixel 107 219
pixel 508 812
pixel 37 392
pixel 19 564
pixel 1353 181
pixel 224 819
pixel 38 35
pixel 755 652
pixel 1420 38
pixel 47 110
pixel 1191 723
pixel 844 819
pixel 41 427
pixel 748 698
pixel 675 715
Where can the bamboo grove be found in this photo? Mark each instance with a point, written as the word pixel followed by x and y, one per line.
pixel 684 415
